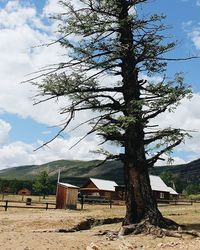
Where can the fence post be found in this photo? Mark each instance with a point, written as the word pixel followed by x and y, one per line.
pixel 110 203
pixel 6 206
pixel 47 204
pixel 82 202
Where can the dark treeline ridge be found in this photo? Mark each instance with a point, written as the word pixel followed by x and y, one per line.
pixel 13 186
pixel 77 173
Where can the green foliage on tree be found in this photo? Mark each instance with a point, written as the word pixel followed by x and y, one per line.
pixel 180 185
pixel 168 178
pixel 115 53
pixel 3 186
pixel 193 188
pixel 42 185
pixel 195 196
pixel 173 181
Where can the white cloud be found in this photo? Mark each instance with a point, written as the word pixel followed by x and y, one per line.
pixel 20 55
pixel 186 116
pixel 12 12
pixel 195 36
pixel 193 32
pixel 4 132
pixel 198 3
pixel 20 153
pixel 176 161
pixel 18 37
pixel 21 30
pixel 18 23
pixel 52 7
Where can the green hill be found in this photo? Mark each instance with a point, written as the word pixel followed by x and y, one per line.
pixel 77 172
pixel 73 171
pixel 188 173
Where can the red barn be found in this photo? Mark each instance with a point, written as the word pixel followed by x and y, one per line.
pixel 98 187
pixel 24 191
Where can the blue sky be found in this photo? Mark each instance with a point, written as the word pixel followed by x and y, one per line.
pixel 23 127
pixel 183 18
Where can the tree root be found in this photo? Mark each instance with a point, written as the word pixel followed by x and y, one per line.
pixel 169 228
pixel 91 222
pixel 145 227
pixel 83 225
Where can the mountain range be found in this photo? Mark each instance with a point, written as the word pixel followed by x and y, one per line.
pixel 77 172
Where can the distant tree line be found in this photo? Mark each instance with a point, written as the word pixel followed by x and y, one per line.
pixel 179 185
pixel 42 185
pixel 12 186
pixel 193 188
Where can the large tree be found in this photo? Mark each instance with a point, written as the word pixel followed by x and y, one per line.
pixel 112 40
pixel 42 185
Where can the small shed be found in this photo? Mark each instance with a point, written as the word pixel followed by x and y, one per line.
pixel 24 191
pixel 99 187
pixel 66 196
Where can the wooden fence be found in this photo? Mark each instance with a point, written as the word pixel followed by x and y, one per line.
pixel 176 202
pixel 26 204
pixel 103 201
pixel 91 200
pixel 83 200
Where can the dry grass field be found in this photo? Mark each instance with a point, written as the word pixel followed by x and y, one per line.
pixel 32 229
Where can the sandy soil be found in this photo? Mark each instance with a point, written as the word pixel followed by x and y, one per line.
pixel 22 229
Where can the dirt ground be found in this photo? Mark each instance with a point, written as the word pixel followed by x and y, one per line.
pixel 23 229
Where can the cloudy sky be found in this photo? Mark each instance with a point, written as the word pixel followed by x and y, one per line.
pixel 23 127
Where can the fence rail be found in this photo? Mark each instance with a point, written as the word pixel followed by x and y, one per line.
pixel 33 205
pixel 176 202
pixel 91 200
pixel 83 200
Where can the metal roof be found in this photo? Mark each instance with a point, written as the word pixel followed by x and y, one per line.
pixel 104 184
pixel 67 185
pixel 172 191
pixel 157 184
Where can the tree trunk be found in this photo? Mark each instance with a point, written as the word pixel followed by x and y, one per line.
pixel 140 203
pixel 141 206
